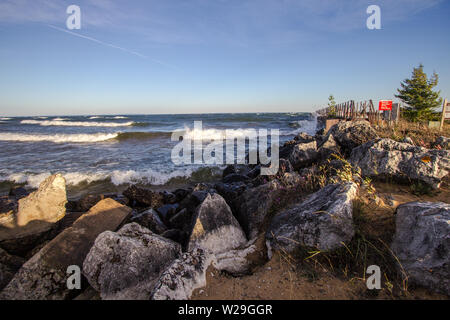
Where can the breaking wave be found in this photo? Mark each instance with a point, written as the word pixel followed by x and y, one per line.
pixel 77 123
pixel 121 177
pixel 57 138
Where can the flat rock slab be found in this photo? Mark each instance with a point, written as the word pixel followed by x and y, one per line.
pixel 44 276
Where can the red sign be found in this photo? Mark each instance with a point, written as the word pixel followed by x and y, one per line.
pixel 385 105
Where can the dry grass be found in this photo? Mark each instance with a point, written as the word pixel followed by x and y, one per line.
pixel 420 133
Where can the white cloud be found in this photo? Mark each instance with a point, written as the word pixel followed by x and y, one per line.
pixel 236 22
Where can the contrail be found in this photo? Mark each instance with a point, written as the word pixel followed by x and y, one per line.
pixel 111 45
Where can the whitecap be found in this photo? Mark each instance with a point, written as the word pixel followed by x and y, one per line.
pixel 77 123
pixel 57 138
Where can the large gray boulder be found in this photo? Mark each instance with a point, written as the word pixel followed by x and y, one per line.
pixel 127 263
pixel 323 220
pixel 183 276
pixel 303 154
pixel 350 134
pixel 36 216
pixel 255 207
pixel 401 161
pixel 45 276
pixel 422 243
pixel 215 229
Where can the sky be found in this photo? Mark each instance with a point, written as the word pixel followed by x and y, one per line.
pixel 203 56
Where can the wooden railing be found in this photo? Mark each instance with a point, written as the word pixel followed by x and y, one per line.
pixel 362 110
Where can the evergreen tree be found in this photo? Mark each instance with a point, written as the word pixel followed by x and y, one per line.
pixel 331 106
pixel 418 94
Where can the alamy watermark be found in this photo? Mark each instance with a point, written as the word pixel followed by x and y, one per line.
pixel 74 19
pixel 374 20
pixel 190 148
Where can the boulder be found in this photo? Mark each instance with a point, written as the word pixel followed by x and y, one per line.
pixel 18 193
pixel 303 154
pixel 401 161
pixel 443 142
pixel 180 194
pixel 167 211
pixel 328 147
pixel 44 276
pixel 230 191
pixel 181 220
pixel 176 235
pixel 88 201
pixel 408 140
pixel 142 197
pixel 183 276
pixel 350 134
pixel 215 229
pixel 323 220
pixel 9 265
pixel 47 204
pixel 36 217
pixel 235 177
pixel 127 263
pixel 255 207
pixel 303 137
pixel 237 262
pixel 422 243
pixel 150 219
pixel 8 205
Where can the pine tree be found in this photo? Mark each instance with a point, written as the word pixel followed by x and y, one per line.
pixel 331 106
pixel 418 94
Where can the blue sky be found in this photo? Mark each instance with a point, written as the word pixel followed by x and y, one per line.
pixel 193 56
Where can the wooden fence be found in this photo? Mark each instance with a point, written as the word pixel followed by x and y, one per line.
pixel 362 110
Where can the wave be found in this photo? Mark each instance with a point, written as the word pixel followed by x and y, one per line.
pixel 82 137
pixel 77 123
pixel 141 135
pixel 3 119
pixel 119 117
pixel 219 134
pixel 60 119
pixel 95 117
pixel 58 138
pixel 308 126
pixel 120 177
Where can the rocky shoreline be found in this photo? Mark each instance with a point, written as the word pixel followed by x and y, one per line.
pixel 145 244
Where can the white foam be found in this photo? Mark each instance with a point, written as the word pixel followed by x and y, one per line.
pixel 3 119
pixel 306 126
pixel 117 177
pixel 94 117
pixel 57 138
pixel 219 134
pixel 60 119
pixel 77 123
pixel 120 117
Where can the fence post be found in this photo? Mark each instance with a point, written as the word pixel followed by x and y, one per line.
pixel 444 110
